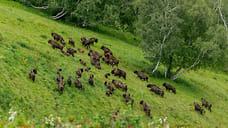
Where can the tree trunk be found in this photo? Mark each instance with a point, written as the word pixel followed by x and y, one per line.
pixel 197 61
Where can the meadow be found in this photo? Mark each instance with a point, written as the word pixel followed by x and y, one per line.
pixel 24 33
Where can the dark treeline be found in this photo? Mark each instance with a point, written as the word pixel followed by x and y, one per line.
pixel 178 34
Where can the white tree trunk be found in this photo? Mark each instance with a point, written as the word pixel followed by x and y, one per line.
pixel 43 7
pixel 174 77
pixel 221 15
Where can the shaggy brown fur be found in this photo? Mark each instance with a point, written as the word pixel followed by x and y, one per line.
pixel 108 93
pixel 141 75
pixel 71 51
pixel 82 62
pixel 146 108
pixel 107 75
pixel 109 86
pixel 91 82
pixel 87 69
pixel 79 72
pixel 169 87
pixel 77 83
pixel 96 54
pixel 61 85
pixel 71 42
pixel 95 58
pixel 58 71
pixel 198 108
pixel 55 45
pixel 106 50
pixel 92 40
pixel 56 36
pixel 32 74
pixel 81 50
pixel 65 53
pixel 69 81
pixel 63 42
pixel 128 98
pixel 118 72
pixel 119 84
pixel 206 104
pixel 156 89
pixel 111 59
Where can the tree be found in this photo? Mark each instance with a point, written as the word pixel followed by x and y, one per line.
pixel 181 35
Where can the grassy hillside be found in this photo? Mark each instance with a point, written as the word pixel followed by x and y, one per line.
pixel 23 45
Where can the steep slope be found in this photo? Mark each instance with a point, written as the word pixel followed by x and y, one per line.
pixel 24 46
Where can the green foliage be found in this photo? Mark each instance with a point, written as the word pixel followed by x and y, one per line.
pixel 182 34
pixel 24 48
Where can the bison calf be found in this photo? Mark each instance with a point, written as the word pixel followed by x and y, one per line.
pixel 198 108
pixel 77 83
pixel 128 98
pixel 107 75
pixel 91 82
pixel 109 86
pixel 146 108
pixel 69 81
pixel 206 104
pixel 87 69
pixel 79 72
pixel 32 74
pixel 82 62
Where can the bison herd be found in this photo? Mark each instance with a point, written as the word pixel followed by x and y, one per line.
pixel 110 60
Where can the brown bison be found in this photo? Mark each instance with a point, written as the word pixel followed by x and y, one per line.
pixel 32 74
pixel 141 75
pixel 156 89
pixel 71 42
pixel 91 82
pixel 169 87
pixel 82 62
pixel 65 53
pixel 119 84
pixel 87 69
pixel 198 108
pixel 58 71
pixel 146 108
pixel 71 51
pixel 107 75
pixel 108 93
pixel 128 98
pixel 118 72
pixel 69 81
pixel 206 104
pixel 61 85
pixel 81 50
pixel 55 45
pixel 79 72
pixel 109 86
pixel 106 50
pixel 77 83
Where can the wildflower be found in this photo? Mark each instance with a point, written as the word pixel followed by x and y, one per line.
pixel 12 115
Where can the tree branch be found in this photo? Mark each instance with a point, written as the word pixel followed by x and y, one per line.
pixel 43 7
pixel 197 61
pixel 59 15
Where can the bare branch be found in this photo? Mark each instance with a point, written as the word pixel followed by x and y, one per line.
pixel 43 7
pixel 197 61
pixel 58 14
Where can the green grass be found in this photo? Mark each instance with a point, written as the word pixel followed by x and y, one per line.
pixel 23 45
